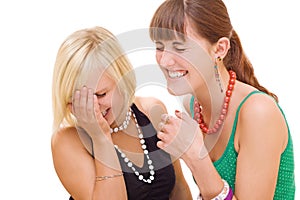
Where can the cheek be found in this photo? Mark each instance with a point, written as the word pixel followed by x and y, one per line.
pixel 117 99
pixel 158 56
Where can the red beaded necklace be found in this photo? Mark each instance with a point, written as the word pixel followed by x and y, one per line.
pixel 197 108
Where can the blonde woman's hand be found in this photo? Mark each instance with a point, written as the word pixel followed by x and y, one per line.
pixel 180 136
pixel 88 116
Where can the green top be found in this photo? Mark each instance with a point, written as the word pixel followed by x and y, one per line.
pixel 226 165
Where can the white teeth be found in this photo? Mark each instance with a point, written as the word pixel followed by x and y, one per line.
pixel 104 113
pixel 176 74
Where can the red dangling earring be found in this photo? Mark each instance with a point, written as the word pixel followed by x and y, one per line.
pixel 198 108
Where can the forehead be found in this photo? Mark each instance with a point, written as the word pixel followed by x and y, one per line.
pixel 105 81
pixel 191 41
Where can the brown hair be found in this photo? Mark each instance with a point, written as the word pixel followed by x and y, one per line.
pixel 211 21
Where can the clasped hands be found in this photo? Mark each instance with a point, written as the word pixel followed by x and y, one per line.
pixel 180 136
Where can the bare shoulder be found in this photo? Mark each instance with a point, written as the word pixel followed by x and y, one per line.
pixel 152 107
pixel 64 137
pixel 67 141
pixel 260 119
pixel 260 106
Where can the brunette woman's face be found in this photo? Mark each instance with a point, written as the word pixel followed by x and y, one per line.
pixel 186 64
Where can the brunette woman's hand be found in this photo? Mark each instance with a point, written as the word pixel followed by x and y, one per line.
pixel 180 136
pixel 88 116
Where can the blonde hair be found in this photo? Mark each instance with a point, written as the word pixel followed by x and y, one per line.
pixel 78 57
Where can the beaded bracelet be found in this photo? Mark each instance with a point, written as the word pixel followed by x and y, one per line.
pixel 101 178
pixel 225 194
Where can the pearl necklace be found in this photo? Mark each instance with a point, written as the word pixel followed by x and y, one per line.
pixel 124 125
pixel 144 147
pixel 198 108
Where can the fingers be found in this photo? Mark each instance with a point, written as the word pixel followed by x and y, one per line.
pixel 160 144
pixel 90 102
pixel 96 108
pixel 84 104
pixel 76 101
pixel 163 139
pixel 165 118
pixel 182 115
pixel 161 126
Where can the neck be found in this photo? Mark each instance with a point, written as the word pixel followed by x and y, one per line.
pixel 206 127
pixel 211 98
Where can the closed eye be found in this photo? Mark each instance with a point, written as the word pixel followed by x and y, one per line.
pixel 180 49
pixel 159 48
pixel 100 95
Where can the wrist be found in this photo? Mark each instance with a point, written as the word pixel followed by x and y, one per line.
pixel 225 194
pixel 193 157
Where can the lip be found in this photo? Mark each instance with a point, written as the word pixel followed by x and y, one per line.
pixel 176 74
pixel 105 112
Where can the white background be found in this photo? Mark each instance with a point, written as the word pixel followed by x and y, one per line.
pixel 31 32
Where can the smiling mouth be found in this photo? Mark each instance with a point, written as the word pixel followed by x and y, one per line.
pixel 177 74
pixel 104 113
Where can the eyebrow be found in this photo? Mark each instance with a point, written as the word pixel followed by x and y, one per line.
pixel 158 42
pixel 173 43
pixel 101 91
pixel 177 43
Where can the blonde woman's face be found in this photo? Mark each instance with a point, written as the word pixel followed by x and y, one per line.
pixel 110 99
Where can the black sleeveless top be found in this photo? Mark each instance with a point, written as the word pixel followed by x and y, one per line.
pixel 164 179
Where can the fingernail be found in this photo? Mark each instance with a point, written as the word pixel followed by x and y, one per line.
pixel 177 111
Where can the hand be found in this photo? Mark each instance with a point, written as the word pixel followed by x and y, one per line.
pixel 86 110
pixel 180 136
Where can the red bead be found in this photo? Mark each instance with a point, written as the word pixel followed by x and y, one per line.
pixel 202 125
pixel 225 105
pixel 205 129
pixel 224 111
pixel 228 93
pixel 220 122
pixel 230 87
pixel 222 117
pixel 201 117
pixel 232 75
pixel 216 127
pixel 232 81
pixel 227 99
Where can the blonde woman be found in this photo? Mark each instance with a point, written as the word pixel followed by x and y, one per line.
pixel 104 140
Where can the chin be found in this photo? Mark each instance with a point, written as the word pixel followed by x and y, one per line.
pixel 177 91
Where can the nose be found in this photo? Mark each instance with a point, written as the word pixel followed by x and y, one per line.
pixel 166 58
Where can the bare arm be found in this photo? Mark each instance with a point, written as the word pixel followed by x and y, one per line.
pixel 77 169
pixel 261 141
pixel 181 189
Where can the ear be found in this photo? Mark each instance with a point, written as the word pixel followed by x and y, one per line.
pixel 221 47
pixel 69 106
